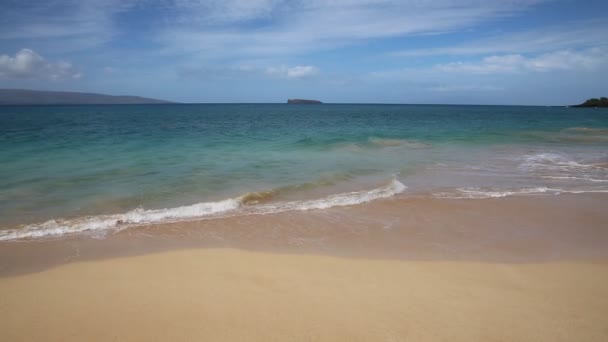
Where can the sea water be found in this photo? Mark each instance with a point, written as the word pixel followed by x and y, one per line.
pixel 70 169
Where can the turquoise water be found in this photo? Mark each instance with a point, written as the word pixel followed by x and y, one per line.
pixel 78 168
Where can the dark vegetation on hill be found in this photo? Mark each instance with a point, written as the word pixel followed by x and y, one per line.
pixel 301 101
pixel 601 102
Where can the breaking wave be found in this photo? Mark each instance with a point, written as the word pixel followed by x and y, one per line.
pixel 477 193
pixel 246 204
pixel 561 166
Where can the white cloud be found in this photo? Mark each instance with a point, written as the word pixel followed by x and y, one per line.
pixel 557 77
pixel 27 64
pixel 513 63
pixel 296 72
pixel 241 71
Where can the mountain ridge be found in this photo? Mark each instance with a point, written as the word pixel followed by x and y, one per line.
pixel 43 97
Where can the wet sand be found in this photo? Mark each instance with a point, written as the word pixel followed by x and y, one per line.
pixel 520 229
pixel 529 268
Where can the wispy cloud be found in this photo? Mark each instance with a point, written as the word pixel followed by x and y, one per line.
pixel 63 24
pixel 27 64
pixel 242 28
pixel 293 27
pixel 218 12
pixel 297 72
pixel 464 88
pixel 569 35
pixel 560 60
pixel 109 70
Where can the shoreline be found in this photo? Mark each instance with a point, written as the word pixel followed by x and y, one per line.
pixel 516 229
pixel 506 269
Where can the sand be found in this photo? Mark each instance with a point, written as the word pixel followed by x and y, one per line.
pixel 512 269
pixel 235 295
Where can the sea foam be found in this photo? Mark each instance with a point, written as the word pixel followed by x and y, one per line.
pixel 231 206
pixel 477 193
pixel 117 221
pixel 350 198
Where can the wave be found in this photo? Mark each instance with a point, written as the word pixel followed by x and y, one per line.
pixel 477 193
pixel 359 145
pixel 577 178
pixel 587 130
pixel 351 198
pixel 264 196
pixel 117 221
pixel 556 162
pixel 387 142
pixel 375 143
pixel 601 165
pixel 570 135
pixel 257 197
pixel 245 204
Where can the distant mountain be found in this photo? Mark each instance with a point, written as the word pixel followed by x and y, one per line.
pixel 37 97
pixel 300 101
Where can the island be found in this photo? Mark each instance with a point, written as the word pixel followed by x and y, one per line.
pixel 593 103
pixel 38 97
pixel 301 101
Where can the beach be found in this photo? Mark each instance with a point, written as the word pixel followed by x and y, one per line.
pixel 232 295
pixel 328 170
pixel 406 270
pixel 271 222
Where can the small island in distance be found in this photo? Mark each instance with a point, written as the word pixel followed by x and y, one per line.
pixel 593 103
pixel 301 101
pixel 38 97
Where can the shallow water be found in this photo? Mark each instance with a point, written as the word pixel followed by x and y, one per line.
pixel 80 168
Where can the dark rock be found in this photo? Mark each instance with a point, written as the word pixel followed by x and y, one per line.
pixel 300 101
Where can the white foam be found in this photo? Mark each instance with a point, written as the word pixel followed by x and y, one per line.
pixel 553 161
pixel 351 198
pixel 117 221
pixel 477 193
pixel 581 191
pixel 104 223
pixel 578 178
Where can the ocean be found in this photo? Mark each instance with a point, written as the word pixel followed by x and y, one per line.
pixel 68 170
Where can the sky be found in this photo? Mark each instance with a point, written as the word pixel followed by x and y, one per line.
pixel 528 52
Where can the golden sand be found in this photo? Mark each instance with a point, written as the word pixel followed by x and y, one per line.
pixel 233 295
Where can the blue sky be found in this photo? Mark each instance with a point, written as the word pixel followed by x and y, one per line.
pixel 379 51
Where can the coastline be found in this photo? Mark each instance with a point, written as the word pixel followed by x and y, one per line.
pixel 505 269
pixel 513 229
